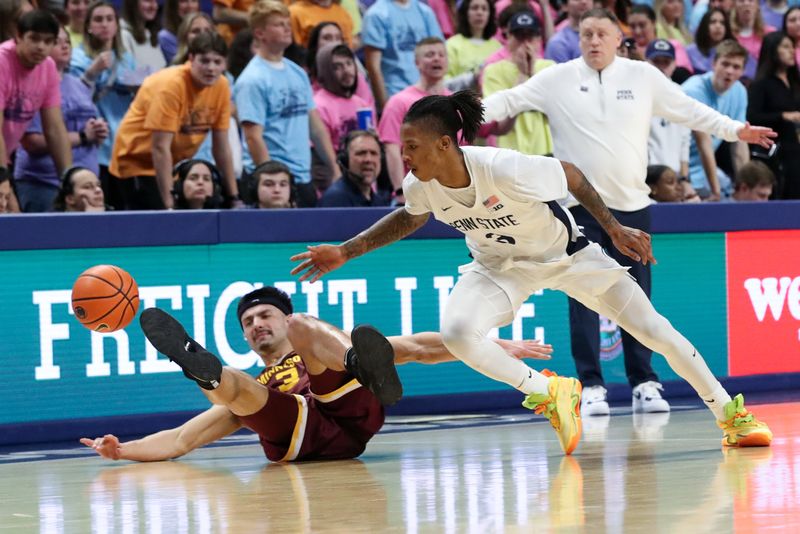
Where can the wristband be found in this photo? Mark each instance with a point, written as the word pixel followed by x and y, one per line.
pixel 84 139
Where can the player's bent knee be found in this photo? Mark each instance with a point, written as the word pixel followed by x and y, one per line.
pixel 459 337
pixel 300 328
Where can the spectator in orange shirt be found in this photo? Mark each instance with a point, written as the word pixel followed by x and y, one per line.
pixel 307 14
pixel 232 16
pixel 167 122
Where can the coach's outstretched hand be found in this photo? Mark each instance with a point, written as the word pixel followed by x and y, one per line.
pixel 319 259
pixel 634 243
pixel 757 135
pixel 107 446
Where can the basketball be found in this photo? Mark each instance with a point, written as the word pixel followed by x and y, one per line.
pixel 105 298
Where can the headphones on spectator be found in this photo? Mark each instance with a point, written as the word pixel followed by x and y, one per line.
pixel 270 167
pixel 383 181
pixel 181 171
pixel 343 156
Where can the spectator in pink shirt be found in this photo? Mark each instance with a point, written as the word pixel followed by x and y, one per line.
pixel 336 97
pixel 748 26
pixel 445 11
pixel 326 33
pixel 30 83
pixel 430 56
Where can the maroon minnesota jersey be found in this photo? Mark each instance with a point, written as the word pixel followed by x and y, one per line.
pixel 327 416
pixel 288 374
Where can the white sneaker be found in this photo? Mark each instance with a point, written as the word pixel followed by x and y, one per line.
pixel 593 401
pixel 647 398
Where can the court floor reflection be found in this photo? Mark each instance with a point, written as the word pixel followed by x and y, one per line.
pixel 644 474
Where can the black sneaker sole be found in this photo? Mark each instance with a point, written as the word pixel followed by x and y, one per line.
pixel 169 337
pixel 376 364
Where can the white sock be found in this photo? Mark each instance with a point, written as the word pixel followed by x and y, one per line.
pixel 534 382
pixel 716 401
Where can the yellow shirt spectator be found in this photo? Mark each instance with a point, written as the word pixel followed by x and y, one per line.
pixel 464 54
pixel 531 132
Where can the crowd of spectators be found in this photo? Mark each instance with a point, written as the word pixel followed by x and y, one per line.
pixel 189 104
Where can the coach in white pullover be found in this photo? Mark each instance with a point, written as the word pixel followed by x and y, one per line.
pixel 599 107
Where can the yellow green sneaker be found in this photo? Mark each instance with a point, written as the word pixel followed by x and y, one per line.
pixel 562 406
pixel 741 428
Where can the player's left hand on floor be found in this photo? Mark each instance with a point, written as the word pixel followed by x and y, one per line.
pixel 107 446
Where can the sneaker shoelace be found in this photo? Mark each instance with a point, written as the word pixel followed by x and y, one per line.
pixel 736 414
pixel 546 407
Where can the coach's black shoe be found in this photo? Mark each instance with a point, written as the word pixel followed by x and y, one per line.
pixel 169 338
pixel 371 361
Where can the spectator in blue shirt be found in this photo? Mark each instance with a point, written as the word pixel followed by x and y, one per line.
pixel 276 107
pixel 391 30
pixel 721 90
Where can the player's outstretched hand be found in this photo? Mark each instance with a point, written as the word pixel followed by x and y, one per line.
pixel 107 446
pixel 757 135
pixel 318 260
pixel 634 243
pixel 527 348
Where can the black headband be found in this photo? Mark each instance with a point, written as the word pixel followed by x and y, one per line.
pixel 264 295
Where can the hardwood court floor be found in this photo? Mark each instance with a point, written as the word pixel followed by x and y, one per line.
pixel 489 474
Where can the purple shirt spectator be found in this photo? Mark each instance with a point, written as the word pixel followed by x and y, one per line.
pixel 77 108
pixel 771 17
pixel 702 64
pixel 169 44
pixel 563 46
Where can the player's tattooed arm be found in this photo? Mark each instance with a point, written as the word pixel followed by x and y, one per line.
pixel 391 228
pixel 632 242
pixel 587 195
pixel 319 260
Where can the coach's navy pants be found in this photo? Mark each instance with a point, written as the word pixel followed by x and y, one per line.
pixel 585 323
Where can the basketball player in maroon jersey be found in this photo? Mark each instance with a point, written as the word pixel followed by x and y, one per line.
pixel 320 396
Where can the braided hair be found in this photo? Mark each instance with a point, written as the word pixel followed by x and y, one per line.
pixel 446 115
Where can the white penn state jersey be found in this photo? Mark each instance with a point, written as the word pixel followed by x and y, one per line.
pixel 515 216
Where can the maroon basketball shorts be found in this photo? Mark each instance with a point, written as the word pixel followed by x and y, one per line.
pixel 334 421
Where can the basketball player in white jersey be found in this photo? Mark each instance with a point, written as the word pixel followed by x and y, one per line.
pixel 523 241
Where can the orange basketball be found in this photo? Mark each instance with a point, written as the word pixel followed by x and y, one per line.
pixel 105 298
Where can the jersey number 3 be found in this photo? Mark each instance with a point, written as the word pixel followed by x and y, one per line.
pixel 289 378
